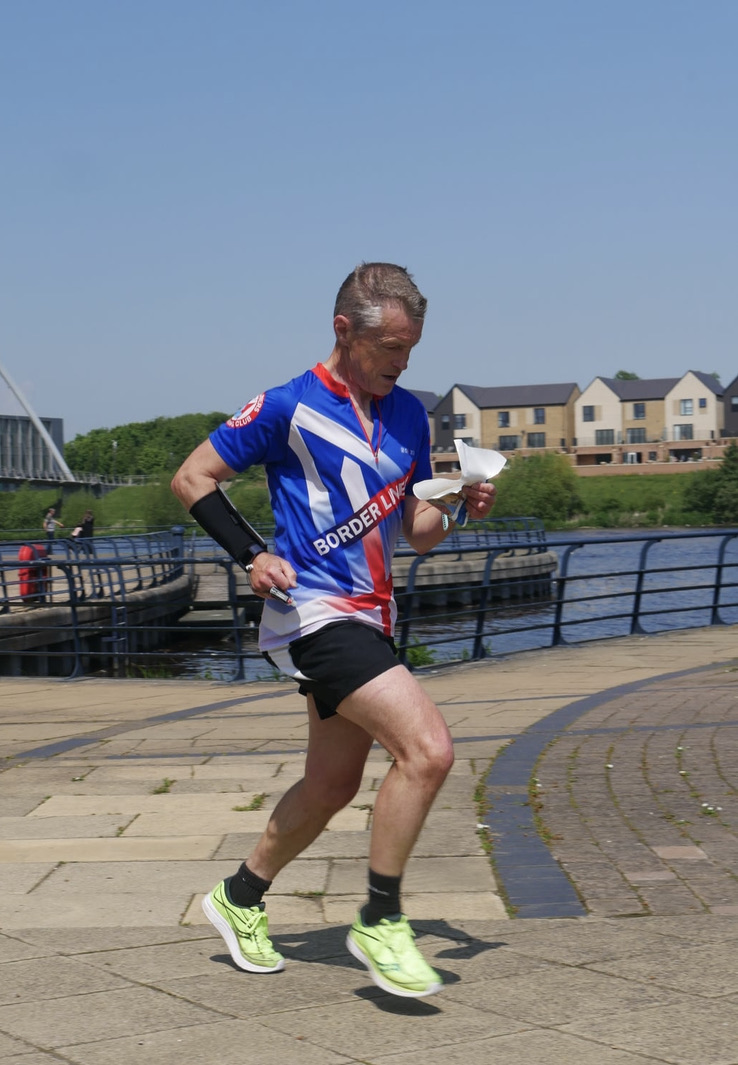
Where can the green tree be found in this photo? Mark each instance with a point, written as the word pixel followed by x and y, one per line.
pixel 75 506
pixel 542 486
pixel 726 496
pixel 153 458
pixel 24 509
pixel 140 447
pixel 626 375
pixel 253 502
pixel 700 491
pixel 714 493
pixel 726 504
pixel 159 507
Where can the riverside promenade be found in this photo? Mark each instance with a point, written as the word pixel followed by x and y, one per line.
pixel 605 932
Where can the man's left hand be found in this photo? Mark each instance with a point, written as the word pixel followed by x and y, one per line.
pixel 479 499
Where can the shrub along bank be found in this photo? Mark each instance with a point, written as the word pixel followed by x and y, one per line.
pixel 542 486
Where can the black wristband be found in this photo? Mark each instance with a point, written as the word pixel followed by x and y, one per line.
pixel 220 519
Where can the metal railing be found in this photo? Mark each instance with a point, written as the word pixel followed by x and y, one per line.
pixel 514 534
pixel 165 604
pixel 73 607
pixel 66 570
pixel 605 586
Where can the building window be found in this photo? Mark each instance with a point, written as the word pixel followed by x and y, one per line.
pixel 503 419
pixel 509 443
pixel 604 436
pixel 539 415
pixel 703 403
pixel 639 411
pixel 536 439
pixel 636 436
pixel 445 421
pixel 734 404
pixel 459 421
pixel 685 407
pixel 683 432
pixel 588 414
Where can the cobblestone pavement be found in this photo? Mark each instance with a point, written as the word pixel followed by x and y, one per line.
pixel 639 798
pixel 632 791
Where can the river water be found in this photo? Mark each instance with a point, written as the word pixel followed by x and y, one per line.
pixel 600 587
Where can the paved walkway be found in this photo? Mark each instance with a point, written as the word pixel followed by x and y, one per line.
pixel 122 802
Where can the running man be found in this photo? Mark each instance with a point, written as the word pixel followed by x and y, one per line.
pixel 342 446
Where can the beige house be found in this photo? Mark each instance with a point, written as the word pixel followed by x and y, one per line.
pixel 694 408
pixel 649 420
pixel 513 418
pixel 610 412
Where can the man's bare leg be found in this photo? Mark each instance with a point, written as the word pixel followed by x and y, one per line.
pixel 337 752
pixel 398 713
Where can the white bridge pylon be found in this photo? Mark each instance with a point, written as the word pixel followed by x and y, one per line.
pixel 67 474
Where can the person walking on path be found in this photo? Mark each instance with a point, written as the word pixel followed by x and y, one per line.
pixel 51 523
pixel 86 528
pixel 342 446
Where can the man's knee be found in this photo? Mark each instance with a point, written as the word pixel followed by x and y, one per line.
pixel 433 756
pixel 443 756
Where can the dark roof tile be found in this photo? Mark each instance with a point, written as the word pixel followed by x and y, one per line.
pixel 646 388
pixel 430 400
pixel 520 395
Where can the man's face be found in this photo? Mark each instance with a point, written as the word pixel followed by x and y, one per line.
pixel 376 358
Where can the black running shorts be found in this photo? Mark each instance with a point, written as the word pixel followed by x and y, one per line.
pixel 338 659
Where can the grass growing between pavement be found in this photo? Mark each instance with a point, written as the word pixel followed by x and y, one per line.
pixel 482 806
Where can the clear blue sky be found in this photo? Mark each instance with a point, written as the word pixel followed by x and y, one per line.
pixel 185 184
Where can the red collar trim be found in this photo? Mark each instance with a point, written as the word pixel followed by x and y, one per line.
pixel 330 382
pixel 338 387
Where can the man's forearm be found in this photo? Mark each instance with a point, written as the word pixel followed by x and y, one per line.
pixel 426 530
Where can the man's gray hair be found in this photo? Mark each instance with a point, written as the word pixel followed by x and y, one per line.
pixel 373 286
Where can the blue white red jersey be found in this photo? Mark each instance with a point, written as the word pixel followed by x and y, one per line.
pixel 337 496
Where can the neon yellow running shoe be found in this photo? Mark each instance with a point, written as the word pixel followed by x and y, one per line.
pixel 245 932
pixel 394 962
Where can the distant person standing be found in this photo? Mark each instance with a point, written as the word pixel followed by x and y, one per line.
pixel 51 523
pixel 85 530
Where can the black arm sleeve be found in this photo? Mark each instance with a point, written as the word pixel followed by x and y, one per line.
pixel 220 519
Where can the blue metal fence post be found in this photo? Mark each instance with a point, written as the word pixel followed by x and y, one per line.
pixel 715 618
pixel 228 565
pixel 178 549
pixel 556 637
pixel 478 650
pixel 635 623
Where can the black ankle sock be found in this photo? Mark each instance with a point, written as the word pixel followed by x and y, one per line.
pixel 384 898
pixel 246 888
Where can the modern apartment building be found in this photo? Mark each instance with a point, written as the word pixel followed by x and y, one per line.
pixel 694 408
pixel 651 420
pixel 513 418
pixel 611 413
pixel 616 422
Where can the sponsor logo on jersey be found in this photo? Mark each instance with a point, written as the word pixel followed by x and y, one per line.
pixel 246 414
pixel 363 521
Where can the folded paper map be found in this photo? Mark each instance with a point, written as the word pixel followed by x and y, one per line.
pixel 477 464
